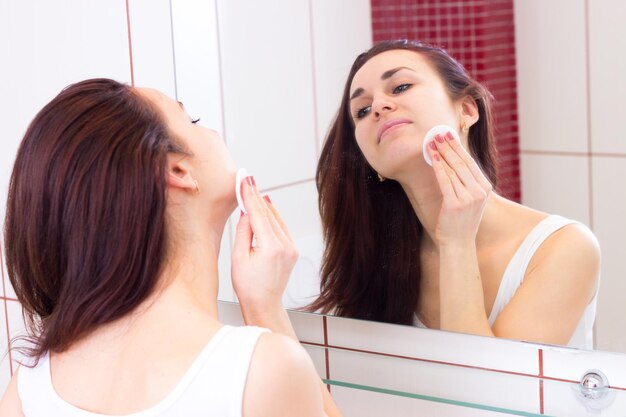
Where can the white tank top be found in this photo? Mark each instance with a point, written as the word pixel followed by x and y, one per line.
pixel 212 386
pixel 516 270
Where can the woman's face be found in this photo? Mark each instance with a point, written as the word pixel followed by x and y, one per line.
pixel 210 164
pixel 396 97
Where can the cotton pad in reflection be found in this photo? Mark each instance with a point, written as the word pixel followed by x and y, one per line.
pixel 241 175
pixel 430 136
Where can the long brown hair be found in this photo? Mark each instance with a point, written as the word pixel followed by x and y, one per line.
pixel 85 223
pixel 371 262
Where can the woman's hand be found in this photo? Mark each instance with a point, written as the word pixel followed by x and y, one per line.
pixel 260 271
pixel 465 191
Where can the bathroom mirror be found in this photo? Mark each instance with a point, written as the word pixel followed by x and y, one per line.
pixel 271 90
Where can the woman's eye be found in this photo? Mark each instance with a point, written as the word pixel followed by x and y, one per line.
pixel 401 88
pixel 361 113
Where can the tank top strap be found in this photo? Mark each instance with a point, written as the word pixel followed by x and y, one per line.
pixel 516 269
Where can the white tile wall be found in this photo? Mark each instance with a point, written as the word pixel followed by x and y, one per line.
pixel 551 74
pixel 566 399
pixel 197 60
pixel 16 328
pixel 436 380
pixel 609 201
pixel 362 403
pixel 5 371
pixel 333 59
pixel 151 35
pixel 318 356
pixel 556 184
pixel 48 45
pixel 607 36
pixel 572 364
pixel 267 78
pixel 434 345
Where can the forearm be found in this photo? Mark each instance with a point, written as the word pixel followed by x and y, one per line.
pixel 462 305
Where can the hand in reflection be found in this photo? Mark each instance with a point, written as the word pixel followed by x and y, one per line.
pixel 464 187
pixel 260 271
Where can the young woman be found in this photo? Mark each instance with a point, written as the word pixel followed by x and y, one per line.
pixel 436 246
pixel 116 210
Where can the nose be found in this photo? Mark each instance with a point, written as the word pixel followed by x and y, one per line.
pixel 382 104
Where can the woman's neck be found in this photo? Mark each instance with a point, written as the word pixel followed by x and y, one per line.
pixel 426 199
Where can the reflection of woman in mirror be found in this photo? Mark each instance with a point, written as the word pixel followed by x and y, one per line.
pixel 116 209
pixel 435 246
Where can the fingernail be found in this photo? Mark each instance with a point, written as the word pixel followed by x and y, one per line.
pixel 267 198
pixel 439 138
pixel 433 146
pixel 241 214
pixel 436 157
pixel 251 181
pixel 449 136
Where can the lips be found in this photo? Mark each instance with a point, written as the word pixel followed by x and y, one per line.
pixel 390 126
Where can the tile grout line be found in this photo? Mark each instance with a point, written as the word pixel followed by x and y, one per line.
pixel 130 45
pixel 326 355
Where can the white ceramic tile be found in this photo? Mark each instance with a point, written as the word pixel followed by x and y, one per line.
pixel 436 380
pixel 308 326
pixel 318 356
pixel 556 184
pixel 5 371
pixel 229 313
pixel 226 292
pixel 572 364
pixel 609 200
pixel 477 351
pixel 267 81
pixel 362 403
pixel 551 74
pixel 153 54
pixel 566 399
pixel 44 47
pixel 351 22
pixel 607 34
pixel 197 55
pixel 16 328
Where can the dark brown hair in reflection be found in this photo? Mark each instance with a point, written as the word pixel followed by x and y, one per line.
pixel 371 265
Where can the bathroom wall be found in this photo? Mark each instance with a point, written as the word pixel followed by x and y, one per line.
pixel 480 35
pixel 571 87
pixel 44 46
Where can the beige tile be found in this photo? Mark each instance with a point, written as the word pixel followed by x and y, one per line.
pixel 556 184
pixel 551 75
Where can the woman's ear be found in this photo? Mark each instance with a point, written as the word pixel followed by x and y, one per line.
pixel 179 174
pixel 469 111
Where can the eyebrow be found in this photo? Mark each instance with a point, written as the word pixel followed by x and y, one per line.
pixel 182 106
pixel 386 75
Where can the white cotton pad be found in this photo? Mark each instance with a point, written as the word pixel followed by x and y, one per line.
pixel 241 175
pixel 430 136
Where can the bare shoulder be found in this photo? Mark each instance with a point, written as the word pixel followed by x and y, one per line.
pixel 281 380
pixel 574 244
pixel 11 405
